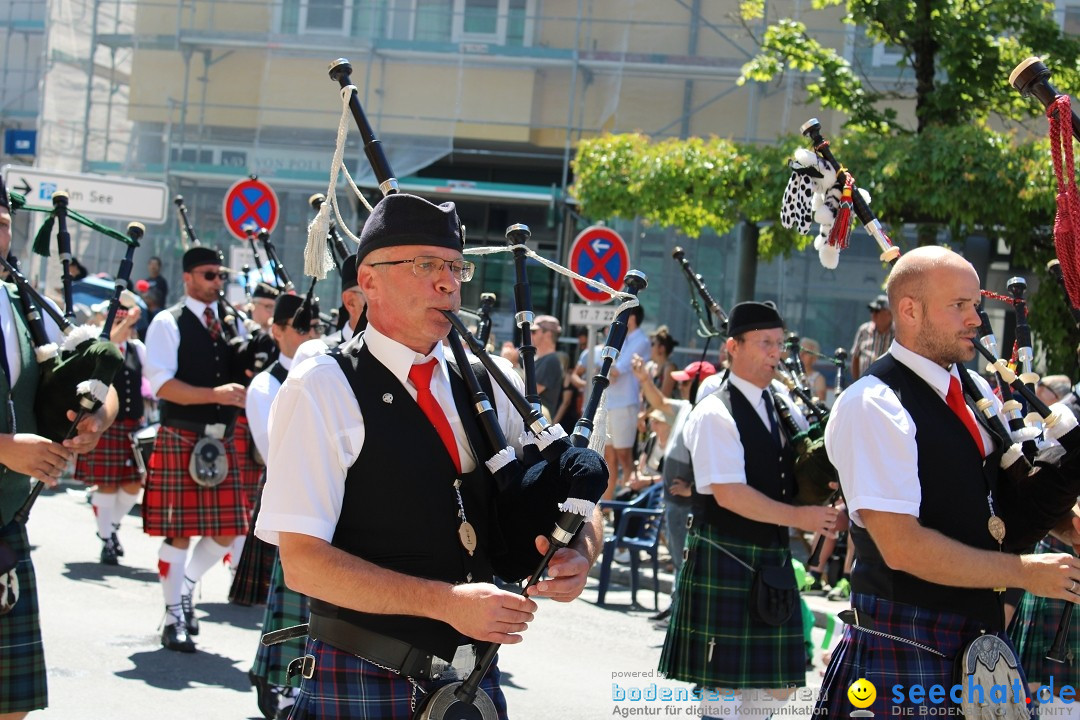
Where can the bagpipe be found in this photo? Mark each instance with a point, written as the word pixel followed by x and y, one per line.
pixel 822 190
pixel 74 375
pixel 550 492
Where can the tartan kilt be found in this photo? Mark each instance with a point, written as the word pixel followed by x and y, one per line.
pixel 23 684
pixel 344 687
pixel 251 583
pixel 885 662
pixel 711 619
pixel 251 472
pixel 175 506
pixel 284 608
pixel 112 463
pixel 1033 629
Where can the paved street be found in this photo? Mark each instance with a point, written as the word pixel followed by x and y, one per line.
pixel 101 638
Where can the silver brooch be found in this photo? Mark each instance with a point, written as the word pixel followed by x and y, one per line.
pixel 388 398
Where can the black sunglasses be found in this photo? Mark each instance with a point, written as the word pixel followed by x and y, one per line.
pixel 210 275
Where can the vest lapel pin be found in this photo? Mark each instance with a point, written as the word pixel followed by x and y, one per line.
pixel 388 398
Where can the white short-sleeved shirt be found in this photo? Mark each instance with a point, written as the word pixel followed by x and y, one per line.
pixel 163 342
pixel 870 438
pixel 260 397
pixel 713 438
pixel 317 433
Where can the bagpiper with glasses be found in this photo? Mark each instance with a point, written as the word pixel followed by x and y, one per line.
pixel 194 486
pixel 735 624
pixel 382 511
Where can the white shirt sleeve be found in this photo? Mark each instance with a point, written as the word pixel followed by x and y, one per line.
pixel 870 439
pixel 162 344
pixel 715 445
pixel 260 396
pixel 316 434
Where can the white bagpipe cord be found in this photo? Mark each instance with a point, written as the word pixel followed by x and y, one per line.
pixel 317 259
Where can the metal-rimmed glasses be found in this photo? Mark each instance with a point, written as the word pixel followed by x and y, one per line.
pixel 424 265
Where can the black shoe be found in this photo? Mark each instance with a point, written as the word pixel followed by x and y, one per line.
pixel 266 696
pixel 190 620
pixel 176 637
pixel 662 615
pixel 108 553
pixel 117 545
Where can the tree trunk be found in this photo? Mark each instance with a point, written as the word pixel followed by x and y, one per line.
pixel 748 261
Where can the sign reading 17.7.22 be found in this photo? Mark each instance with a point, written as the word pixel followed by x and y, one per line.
pixel 104 196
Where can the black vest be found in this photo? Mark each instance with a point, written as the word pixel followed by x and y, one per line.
pixel 201 362
pixel 278 371
pixel 953 480
pixel 400 511
pixel 128 384
pixel 768 470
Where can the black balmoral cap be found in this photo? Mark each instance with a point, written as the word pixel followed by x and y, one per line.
pixel 402 219
pixel 202 255
pixel 285 307
pixel 747 316
pixel 348 274
pixel 265 291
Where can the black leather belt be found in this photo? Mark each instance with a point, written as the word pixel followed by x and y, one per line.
pixel 197 428
pixel 396 655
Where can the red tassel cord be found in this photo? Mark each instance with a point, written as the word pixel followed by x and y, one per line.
pixel 1067 221
pixel 841 229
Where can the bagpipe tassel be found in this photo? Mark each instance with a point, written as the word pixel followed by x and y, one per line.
pixel 317 259
pixel 841 229
pixel 1067 220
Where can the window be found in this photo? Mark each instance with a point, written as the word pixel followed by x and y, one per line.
pixel 498 22
pixel 326 16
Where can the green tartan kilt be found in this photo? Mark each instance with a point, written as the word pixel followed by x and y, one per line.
pixel 22 656
pixel 713 641
pixel 284 608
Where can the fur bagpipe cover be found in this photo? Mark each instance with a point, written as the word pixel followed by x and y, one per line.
pixel 76 377
pixel 814 194
pixel 567 481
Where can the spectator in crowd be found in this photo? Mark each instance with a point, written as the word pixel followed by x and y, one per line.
pixel 549 373
pixel 155 279
pixel 660 363
pixel 873 337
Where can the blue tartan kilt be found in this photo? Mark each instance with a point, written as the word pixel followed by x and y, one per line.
pixel 713 640
pixel 284 608
pixel 22 657
pixel 344 687
pixel 886 663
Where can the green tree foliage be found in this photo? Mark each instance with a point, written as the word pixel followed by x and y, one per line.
pixel 949 169
pixel 686 184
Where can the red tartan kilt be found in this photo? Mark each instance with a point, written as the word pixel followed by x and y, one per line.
pixel 112 463
pixel 250 471
pixel 175 506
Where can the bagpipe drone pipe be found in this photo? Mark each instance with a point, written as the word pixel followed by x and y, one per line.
pixel 822 190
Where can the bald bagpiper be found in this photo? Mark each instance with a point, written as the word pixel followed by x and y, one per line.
pixel 194 488
pixel 743 473
pixel 111 469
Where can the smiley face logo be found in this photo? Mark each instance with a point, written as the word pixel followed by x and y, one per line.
pixel 862 693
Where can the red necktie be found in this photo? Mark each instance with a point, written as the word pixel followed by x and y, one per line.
pixel 212 323
pixel 955 400
pixel 420 377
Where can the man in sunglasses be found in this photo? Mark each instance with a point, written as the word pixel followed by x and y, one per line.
pixel 191 368
pixel 377 500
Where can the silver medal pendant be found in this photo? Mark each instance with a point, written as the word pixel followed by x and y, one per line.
pixel 467 535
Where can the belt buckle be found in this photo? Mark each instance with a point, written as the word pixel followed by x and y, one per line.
pixel 304 666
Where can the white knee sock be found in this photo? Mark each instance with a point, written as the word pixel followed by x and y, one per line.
pixel 203 557
pixel 235 551
pixel 171 561
pixel 104 505
pixel 124 502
